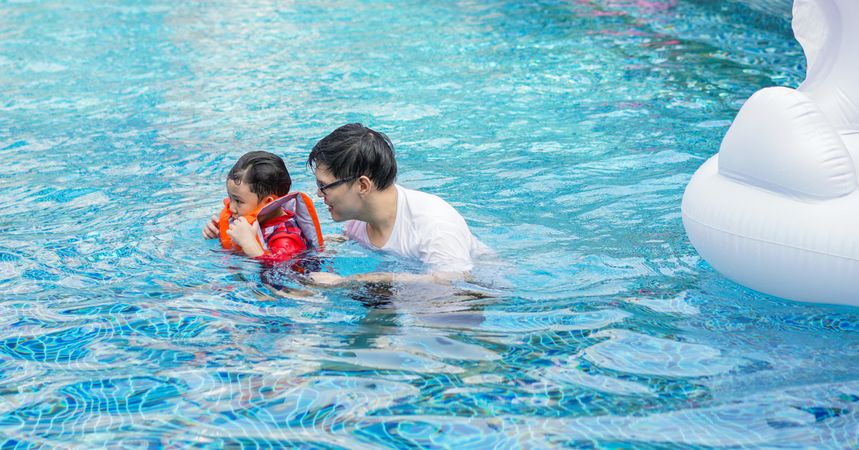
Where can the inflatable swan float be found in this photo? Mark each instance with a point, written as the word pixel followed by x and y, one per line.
pixel 777 209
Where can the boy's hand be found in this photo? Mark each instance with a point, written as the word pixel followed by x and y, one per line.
pixel 211 230
pixel 244 235
pixel 241 231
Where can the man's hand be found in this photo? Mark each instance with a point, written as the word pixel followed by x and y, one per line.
pixel 244 235
pixel 335 238
pixel 211 230
pixel 326 279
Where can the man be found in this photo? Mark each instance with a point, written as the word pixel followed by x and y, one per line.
pixel 355 173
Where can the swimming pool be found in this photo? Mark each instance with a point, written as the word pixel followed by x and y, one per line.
pixel 564 132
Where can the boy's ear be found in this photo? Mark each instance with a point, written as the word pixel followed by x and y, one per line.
pixel 268 200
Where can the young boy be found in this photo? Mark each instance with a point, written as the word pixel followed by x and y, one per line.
pixel 255 181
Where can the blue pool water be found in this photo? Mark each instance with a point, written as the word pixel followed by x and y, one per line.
pixel 564 131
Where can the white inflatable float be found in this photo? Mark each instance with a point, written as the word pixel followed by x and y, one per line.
pixel 777 209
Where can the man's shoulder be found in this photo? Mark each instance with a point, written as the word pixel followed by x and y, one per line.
pixel 431 218
pixel 425 204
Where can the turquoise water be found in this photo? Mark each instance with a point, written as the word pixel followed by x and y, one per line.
pixel 565 132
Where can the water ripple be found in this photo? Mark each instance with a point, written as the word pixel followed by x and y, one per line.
pixel 630 352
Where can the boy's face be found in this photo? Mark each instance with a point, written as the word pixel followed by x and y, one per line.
pixel 242 200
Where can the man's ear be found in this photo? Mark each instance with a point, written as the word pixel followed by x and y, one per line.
pixel 365 185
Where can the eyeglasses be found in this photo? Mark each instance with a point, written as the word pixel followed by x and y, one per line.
pixel 323 188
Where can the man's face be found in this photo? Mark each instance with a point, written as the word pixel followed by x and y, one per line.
pixel 338 195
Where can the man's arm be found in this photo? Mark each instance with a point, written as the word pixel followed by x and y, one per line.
pixel 327 279
pixel 446 250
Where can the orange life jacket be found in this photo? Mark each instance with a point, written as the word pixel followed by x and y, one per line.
pixel 299 203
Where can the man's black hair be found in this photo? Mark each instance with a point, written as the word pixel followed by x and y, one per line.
pixel 265 174
pixel 354 150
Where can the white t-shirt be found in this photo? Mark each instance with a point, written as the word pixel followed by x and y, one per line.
pixel 428 229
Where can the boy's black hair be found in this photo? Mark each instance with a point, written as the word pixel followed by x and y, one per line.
pixel 265 174
pixel 354 150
